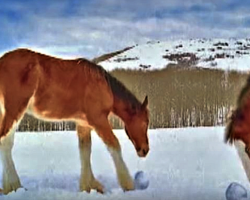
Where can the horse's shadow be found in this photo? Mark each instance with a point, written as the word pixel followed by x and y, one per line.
pixel 66 182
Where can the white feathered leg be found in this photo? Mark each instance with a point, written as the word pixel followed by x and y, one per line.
pixel 123 175
pixel 87 179
pixel 104 130
pixel 11 181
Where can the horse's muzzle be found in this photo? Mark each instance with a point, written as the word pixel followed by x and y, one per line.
pixel 143 151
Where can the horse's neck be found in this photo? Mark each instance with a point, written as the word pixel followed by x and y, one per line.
pixel 121 109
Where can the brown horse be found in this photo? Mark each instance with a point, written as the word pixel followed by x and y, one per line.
pixel 238 127
pixel 77 90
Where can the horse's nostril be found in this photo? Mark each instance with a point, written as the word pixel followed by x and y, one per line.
pixel 143 151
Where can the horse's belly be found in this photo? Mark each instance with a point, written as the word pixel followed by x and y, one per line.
pixel 54 112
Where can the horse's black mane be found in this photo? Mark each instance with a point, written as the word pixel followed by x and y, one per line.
pixel 121 91
pixel 117 87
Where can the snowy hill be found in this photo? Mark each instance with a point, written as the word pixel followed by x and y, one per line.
pixel 183 164
pixel 226 54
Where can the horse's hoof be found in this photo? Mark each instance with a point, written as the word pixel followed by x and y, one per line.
pixel 128 189
pixel 10 187
pixel 127 185
pixel 100 191
pixel 93 185
pixel 88 190
pixel 5 192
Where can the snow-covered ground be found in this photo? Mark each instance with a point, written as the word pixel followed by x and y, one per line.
pixel 226 54
pixel 183 164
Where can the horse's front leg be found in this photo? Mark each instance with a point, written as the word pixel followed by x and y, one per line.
pixel 87 179
pixel 104 130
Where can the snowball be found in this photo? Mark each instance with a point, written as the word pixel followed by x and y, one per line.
pixel 235 191
pixel 141 181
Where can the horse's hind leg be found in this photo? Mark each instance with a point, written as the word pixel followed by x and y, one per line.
pixel 11 181
pixel 104 130
pixel 87 179
pixel 11 116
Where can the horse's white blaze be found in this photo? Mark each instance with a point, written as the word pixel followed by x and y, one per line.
pixel 124 177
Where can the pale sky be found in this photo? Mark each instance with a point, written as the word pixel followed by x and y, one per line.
pixel 88 28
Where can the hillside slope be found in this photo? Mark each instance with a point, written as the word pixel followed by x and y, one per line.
pixel 226 54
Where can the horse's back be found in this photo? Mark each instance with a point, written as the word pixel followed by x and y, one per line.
pixel 55 88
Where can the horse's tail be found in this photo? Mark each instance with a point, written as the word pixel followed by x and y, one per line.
pixel 229 133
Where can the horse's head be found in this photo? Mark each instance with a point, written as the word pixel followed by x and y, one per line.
pixel 136 128
pixel 239 127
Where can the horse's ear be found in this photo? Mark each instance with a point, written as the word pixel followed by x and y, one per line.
pixel 145 103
